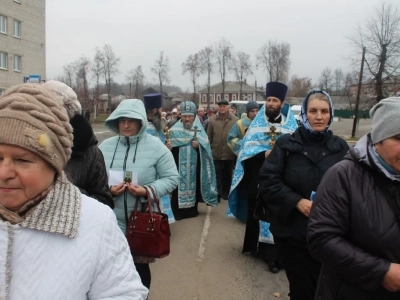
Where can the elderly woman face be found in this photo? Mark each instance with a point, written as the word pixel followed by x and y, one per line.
pixel 318 114
pixel 129 127
pixel 23 176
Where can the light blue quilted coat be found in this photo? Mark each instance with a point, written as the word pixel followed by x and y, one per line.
pixel 153 161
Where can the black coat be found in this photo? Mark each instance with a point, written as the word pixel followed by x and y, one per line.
pixel 291 172
pixel 86 168
pixel 353 229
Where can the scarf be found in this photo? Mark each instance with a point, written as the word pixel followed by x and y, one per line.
pixel 55 210
pixel 303 114
pixel 16 217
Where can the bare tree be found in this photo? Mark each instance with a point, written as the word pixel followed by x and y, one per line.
pixel 110 64
pixel 299 86
pixel 192 65
pixel 241 66
pixel 207 66
pixel 161 69
pixel 350 80
pixel 136 76
pixel 339 78
pixel 275 58
pixel 83 66
pixel 223 54
pixel 62 78
pixel 326 80
pixel 381 37
pixel 69 73
pixel 97 71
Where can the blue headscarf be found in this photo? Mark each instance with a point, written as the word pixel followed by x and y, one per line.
pixel 303 113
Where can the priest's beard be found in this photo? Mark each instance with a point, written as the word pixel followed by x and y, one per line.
pixel 157 121
pixel 272 113
pixel 187 125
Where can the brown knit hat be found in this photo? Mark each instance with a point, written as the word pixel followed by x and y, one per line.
pixel 30 118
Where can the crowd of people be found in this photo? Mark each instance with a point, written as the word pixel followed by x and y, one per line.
pixel 326 214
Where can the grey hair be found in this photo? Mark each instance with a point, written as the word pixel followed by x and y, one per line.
pixel 320 96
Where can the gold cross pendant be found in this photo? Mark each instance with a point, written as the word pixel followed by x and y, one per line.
pixel 273 135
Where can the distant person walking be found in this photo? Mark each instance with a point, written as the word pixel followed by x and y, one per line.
pixel 217 131
pixel 87 115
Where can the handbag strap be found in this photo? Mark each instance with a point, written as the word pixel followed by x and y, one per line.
pixel 148 198
pixel 126 208
pixel 155 199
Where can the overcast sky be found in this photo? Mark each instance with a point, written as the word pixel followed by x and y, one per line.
pixel 317 31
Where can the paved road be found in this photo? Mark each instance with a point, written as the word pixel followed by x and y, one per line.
pixel 206 261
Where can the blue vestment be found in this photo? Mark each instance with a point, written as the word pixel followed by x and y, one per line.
pixel 151 129
pixel 255 141
pixel 182 138
pixel 236 134
pixel 165 201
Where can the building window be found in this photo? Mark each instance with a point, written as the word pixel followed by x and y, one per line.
pixel 233 96
pixel 17 28
pixel 218 98
pixel 249 97
pixel 204 98
pixel 17 63
pixel 226 97
pixel 211 98
pixel 3 24
pixel 3 60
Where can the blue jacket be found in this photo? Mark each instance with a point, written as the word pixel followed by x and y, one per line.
pixel 141 153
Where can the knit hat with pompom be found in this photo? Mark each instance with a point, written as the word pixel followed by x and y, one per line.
pixel 32 118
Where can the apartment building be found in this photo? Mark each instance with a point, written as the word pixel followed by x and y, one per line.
pixel 22 42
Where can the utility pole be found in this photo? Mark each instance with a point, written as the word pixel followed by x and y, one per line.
pixel 255 90
pixel 355 121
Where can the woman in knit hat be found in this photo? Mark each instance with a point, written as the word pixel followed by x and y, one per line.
pixel 54 242
pixel 85 168
pixel 354 226
pixel 289 178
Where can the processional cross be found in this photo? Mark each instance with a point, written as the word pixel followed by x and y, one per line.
pixel 195 130
pixel 273 134
pixel 166 133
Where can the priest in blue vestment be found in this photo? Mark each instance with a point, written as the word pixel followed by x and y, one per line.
pixel 192 153
pixel 153 104
pixel 238 131
pixel 272 121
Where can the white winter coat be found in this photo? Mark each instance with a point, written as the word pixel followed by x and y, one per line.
pixel 68 247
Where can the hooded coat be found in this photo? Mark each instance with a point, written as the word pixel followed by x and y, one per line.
pixel 86 167
pixel 142 153
pixel 353 229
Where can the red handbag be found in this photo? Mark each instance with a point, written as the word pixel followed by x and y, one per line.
pixel 148 232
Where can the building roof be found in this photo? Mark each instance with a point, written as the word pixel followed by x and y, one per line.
pixel 231 87
pixel 149 90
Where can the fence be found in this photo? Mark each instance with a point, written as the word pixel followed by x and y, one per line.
pixel 349 114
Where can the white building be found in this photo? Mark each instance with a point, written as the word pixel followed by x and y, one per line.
pixel 22 42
